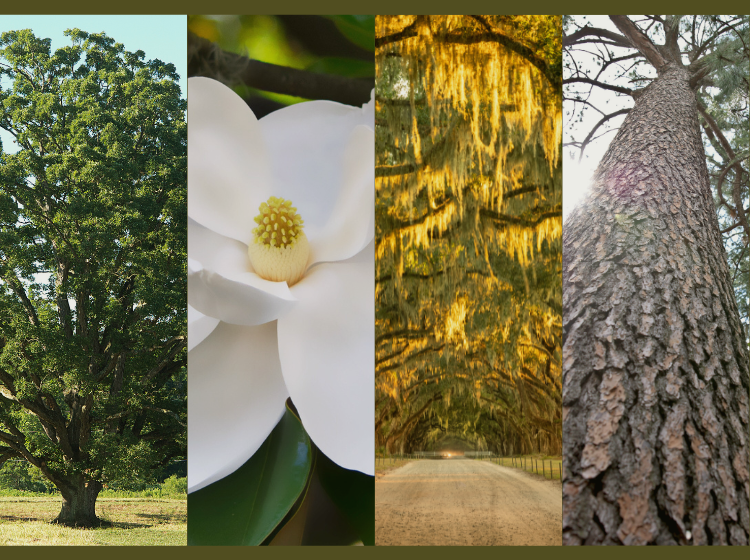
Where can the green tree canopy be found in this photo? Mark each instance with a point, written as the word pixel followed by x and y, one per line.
pixel 92 257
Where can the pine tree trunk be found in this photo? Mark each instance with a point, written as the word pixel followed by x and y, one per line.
pixel 655 364
pixel 79 503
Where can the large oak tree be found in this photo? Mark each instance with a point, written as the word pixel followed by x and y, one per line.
pixel 655 360
pixel 92 256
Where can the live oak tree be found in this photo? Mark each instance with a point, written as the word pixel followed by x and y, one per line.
pixel 468 232
pixel 655 360
pixel 92 256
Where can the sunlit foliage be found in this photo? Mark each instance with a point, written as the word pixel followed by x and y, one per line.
pixel 468 240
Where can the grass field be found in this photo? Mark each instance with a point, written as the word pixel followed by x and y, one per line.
pixel 135 522
pixel 385 464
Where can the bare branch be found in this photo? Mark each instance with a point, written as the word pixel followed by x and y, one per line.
pixel 602 85
pixel 601 122
pixel 588 31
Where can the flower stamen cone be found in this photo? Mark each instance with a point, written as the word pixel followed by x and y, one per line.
pixel 279 250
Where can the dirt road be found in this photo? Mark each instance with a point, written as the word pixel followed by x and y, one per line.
pixel 466 502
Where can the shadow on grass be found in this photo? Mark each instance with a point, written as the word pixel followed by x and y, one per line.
pixel 15 518
pixel 150 520
pixel 129 525
pixel 97 523
pixel 162 517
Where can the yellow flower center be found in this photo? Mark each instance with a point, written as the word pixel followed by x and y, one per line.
pixel 279 249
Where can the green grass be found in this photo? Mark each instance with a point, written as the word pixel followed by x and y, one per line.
pixel 24 520
pixel 385 464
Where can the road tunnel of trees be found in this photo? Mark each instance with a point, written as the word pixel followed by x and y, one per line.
pixel 469 221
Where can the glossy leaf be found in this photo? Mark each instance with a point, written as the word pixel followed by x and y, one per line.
pixel 354 494
pixel 360 29
pixel 246 506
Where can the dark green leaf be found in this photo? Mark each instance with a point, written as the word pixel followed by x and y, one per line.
pixel 246 506
pixel 360 30
pixel 354 494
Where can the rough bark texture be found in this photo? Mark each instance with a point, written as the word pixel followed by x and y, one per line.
pixel 655 365
pixel 79 503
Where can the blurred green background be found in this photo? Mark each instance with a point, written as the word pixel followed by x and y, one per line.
pixel 338 45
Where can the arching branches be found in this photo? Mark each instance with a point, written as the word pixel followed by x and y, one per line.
pixel 468 218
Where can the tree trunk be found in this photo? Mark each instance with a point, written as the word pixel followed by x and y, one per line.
pixel 79 503
pixel 655 362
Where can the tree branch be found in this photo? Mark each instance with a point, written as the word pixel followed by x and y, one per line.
pixel 503 219
pixel 737 186
pixel 406 33
pixel 603 120
pixel 588 31
pixel 495 36
pixel 410 358
pixel 602 85
pixel 639 40
pixel 405 333
pixel 209 60
pixel 10 278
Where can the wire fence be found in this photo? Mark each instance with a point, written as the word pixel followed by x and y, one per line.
pixel 547 468
pixel 395 459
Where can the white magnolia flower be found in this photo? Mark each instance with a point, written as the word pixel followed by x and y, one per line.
pixel 252 341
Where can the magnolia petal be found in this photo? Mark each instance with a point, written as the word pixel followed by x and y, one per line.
pixel 327 353
pixel 307 144
pixel 228 171
pixel 217 252
pixel 239 299
pixel 237 395
pixel 199 327
pixel 351 225
pixel 369 111
pixel 222 283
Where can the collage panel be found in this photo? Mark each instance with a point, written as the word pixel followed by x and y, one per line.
pixel 374 280
pixel 93 244
pixel 280 280
pixel 468 253
pixel 655 280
